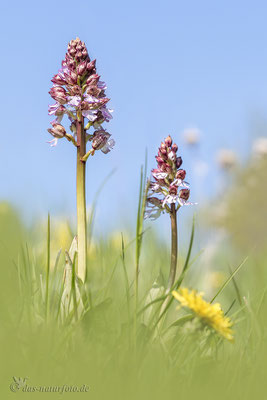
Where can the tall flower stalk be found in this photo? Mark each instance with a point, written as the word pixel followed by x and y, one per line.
pixel 174 246
pixel 80 95
pixel 168 192
pixel 81 200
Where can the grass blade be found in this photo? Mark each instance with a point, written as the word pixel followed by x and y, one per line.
pixel 125 275
pixel 47 267
pixel 229 279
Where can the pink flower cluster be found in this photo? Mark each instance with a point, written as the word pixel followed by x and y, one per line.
pixel 80 95
pixel 168 186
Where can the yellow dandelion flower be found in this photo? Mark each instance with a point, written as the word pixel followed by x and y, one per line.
pixel 211 314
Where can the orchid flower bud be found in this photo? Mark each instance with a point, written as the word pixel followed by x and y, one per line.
pixel 100 139
pixel 93 79
pixel 72 52
pixel 173 189
pixel 79 56
pixel 59 94
pixel 58 131
pixel 91 65
pixel 159 160
pixel 179 162
pixel 154 200
pixel 58 80
pixel 174 147
pixel 168 141
pixel 84 53
pixel 163 148
pixel 184 194
pixel 71 77
pixel 181 173
pixel 81 68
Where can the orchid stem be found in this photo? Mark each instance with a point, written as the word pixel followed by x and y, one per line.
pixel 173 267
pixel 174 247
pixel 81 203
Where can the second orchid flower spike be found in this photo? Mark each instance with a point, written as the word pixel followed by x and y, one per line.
pixel 167 193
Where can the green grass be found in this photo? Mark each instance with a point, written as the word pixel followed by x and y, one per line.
pixel 120 345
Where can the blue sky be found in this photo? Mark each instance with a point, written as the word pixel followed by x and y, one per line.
pixel 168 65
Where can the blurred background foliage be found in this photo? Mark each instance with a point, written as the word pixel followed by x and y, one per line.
pixel 242 210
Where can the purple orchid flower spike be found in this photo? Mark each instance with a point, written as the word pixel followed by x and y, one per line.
pixel 167 193
pixel 169 178
pixel 80 95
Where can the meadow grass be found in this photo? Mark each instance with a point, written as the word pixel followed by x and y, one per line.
pixel 117 345
pixel 112 332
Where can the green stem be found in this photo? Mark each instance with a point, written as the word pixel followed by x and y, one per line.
pixel 174 246
pixel 174 253
pixel 173 267
pixel 47 267
pixel 81 203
